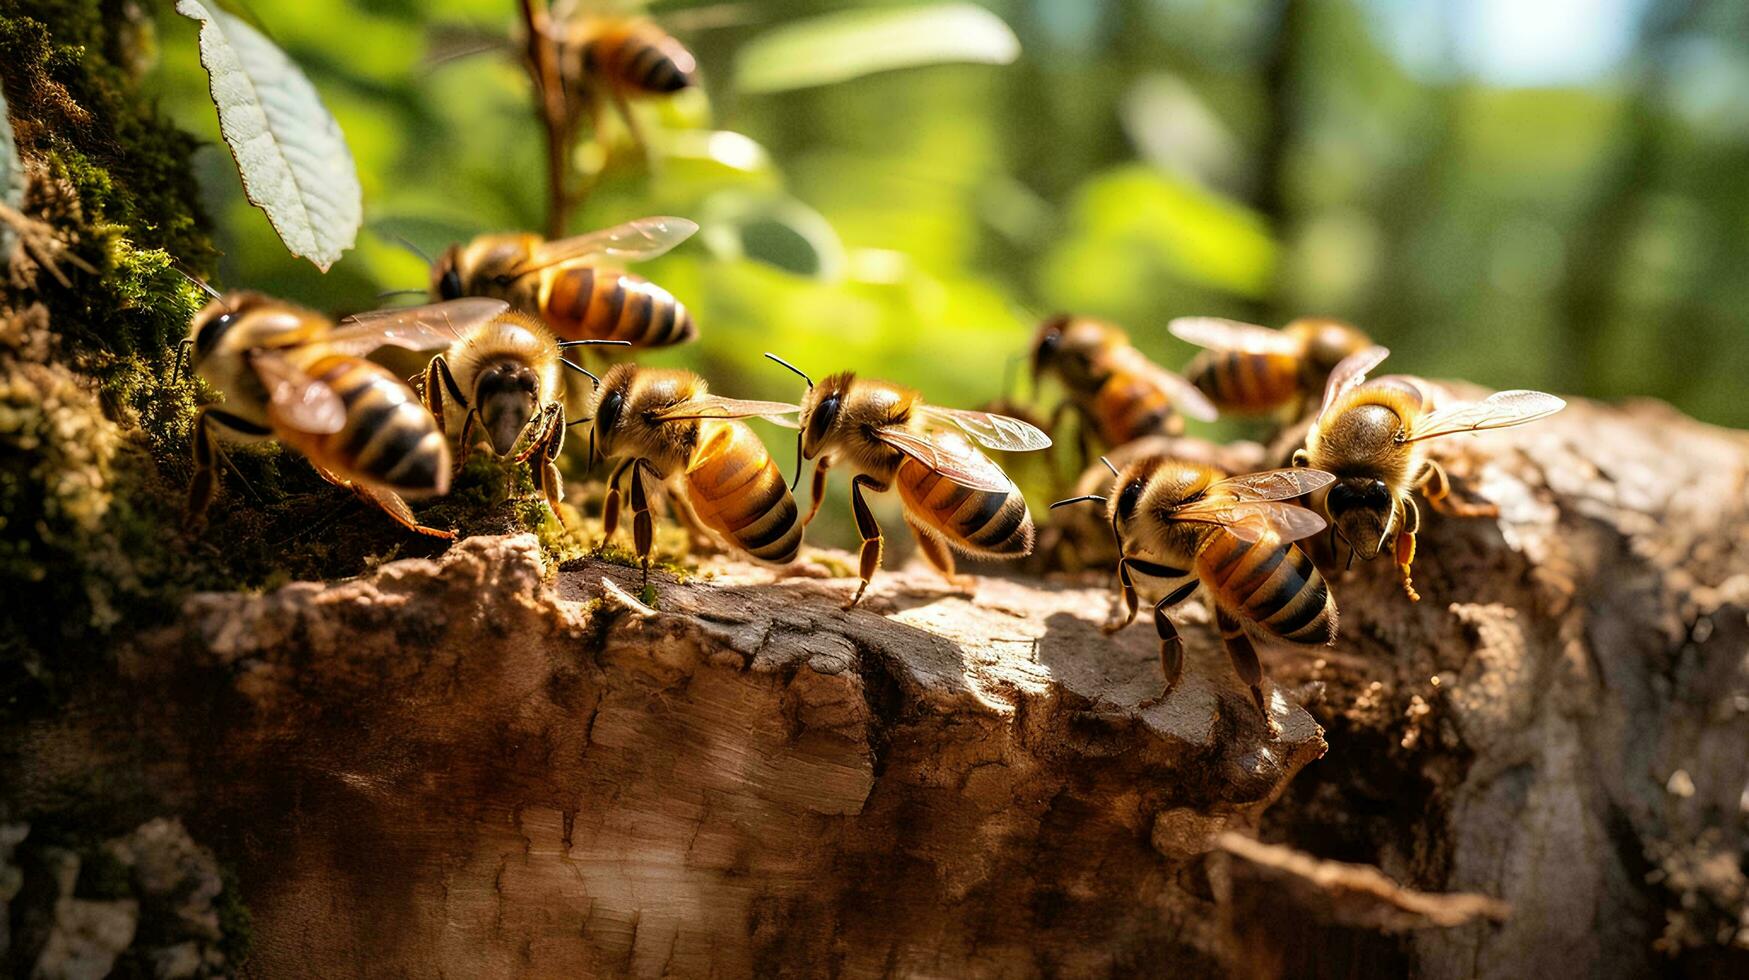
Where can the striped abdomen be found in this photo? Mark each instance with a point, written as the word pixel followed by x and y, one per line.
pixel 1128 406
pixel 587 303
pixel 979 522
pixel 1271 584
pixel 1245 382
pixel 737 490
pixel 640 57
pixel 389 440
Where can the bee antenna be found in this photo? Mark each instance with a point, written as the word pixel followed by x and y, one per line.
pixel 1077 500
pixel 182 347
pixel 198 284
pixel 580 369
pixel 792 367
pixel 798 478
pixel 586 418
pixel 1110 467
pixel 568 344
pixel 407 244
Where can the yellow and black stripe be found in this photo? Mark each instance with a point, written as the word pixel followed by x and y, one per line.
pixel 737 490
pixel 1275 585
pixel 1130 407
pixel 586 303
pixel 980 522
pixel 1243 381
pixel 640 57
pixel 389 440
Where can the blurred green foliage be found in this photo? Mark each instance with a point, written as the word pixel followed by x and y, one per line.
pixel 1142 159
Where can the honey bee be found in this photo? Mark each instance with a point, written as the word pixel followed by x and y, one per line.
pixel 665 428
pixel 574 284
pixel 1255 370
pixel 504 375
pixel 1184 526
pixel 621 58
pixel 290 374
pixel 955 498
pixel 1372 435
pixel 1117 391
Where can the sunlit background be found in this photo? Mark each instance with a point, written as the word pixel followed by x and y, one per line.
pixel 1546 195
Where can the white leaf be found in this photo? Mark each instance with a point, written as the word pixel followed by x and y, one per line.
pixel 11 177
pixel 290 151
pixel 841 46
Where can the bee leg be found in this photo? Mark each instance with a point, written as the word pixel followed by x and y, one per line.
pixel 1151 569
pixel 543 432
pixel 1171 643
pixel 551 483
pixel 1127 589
pixel 439 383
pixel 391 504
pixel 465 447
pixel 205 481
pixel 1406 546
pixel 610 507
pixel 643 522
pixel 819 485
pixel 935 550
pixel 1437 485
pixel 869 529
pixel 1244 657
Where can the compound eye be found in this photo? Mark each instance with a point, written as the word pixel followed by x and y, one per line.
pixel 824 415
pixel 608 415
pixel 207 337
pixel 450 286
pixel 1127 501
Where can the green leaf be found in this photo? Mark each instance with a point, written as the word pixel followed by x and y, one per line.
pixel 842 46
pixel 11 177
pixel 289 150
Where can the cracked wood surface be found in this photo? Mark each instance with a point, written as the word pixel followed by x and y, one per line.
pixel 483 766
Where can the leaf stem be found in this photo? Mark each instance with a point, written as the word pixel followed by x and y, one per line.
pixel 550 109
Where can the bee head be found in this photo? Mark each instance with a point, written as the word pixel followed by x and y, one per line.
pixel 446 275
pixel 211 324
pixel 1361 510
pixel 1327 342
pixel 507 396
pixel 1046 344
pixel 610 405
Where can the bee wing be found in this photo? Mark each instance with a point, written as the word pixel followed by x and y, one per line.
pixel 295 399
pixel 1274 484
pixel 1216 333
pixel 714 407
pixel 1352 370
pixel 430 327
pixel 994 431
pixel 1249 519
pixel 1497 411
pixel 1186 398
pixel 634 241
pixel 949 454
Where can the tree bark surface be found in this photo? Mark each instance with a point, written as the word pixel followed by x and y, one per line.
pixel 480 765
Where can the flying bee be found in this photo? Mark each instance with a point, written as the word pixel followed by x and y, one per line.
pixel 290 374
pixel 1255 370
pixel 621 59
pixel 1372 436
pixel 575 285
pixel 1117 391
pixel 955 498
pixel 504 375
pixel 665 428
pixel 1184 526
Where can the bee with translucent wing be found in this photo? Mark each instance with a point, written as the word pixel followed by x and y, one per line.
pixel 955 498
pixel 1183 526
pixel 1118 393
pixel 1250 369
pixel 576 285
pixel 1373 436
pixel 290 374
pixel 667 430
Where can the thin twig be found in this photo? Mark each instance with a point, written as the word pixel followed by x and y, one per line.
pixel 543 66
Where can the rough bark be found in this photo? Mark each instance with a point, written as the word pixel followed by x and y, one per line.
pixel 479 765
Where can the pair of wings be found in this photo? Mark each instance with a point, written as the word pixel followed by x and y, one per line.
pixel 301 402
pixel 1500 410
pixel 940 442
pixel 1216 333
pixel 634 241
pixel 1249 506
